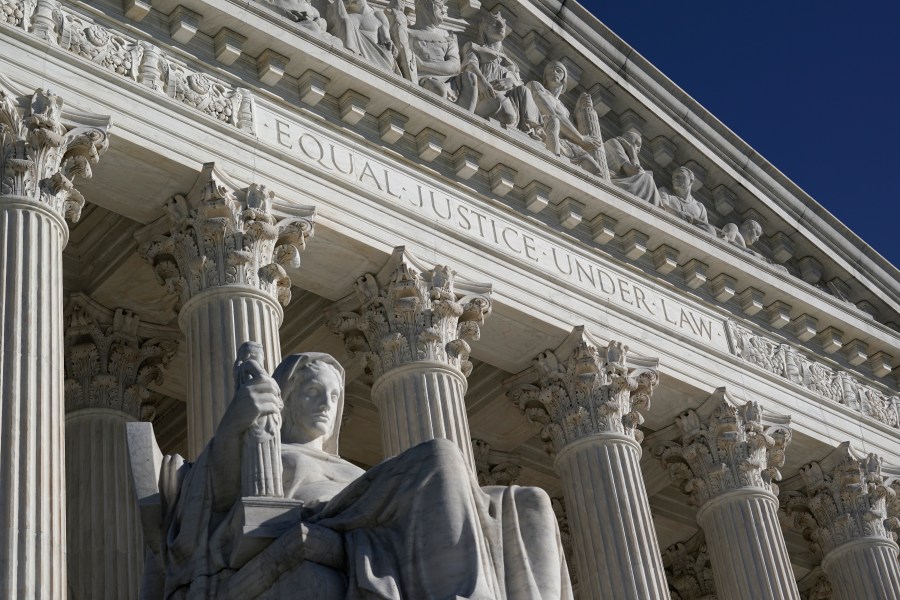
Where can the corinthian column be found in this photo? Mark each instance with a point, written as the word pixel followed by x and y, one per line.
pixel 44 146
pixel 840 503
pixel 223 249
pixel 111 358
pixel 727 464
pixel 412 324
pixel 583 397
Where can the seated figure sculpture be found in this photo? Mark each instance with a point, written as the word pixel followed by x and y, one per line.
pixel 416 526
pixel 499 91
pixel 561 135
pixel 436 54
pixel 625 168
pixel 681 203
pixel 363 31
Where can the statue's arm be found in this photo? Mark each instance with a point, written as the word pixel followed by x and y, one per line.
pixel 260 396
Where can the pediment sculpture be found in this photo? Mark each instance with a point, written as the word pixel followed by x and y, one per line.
pixel 269 509
pixel 679 200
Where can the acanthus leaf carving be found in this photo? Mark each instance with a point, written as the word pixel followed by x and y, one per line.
pixel 734 448
pixel 494 467
pixel 44 147
pixel 410 312
pixel 841 498
pixel 688 570
pixel 220 234
pixel 112 359
pixel 585 387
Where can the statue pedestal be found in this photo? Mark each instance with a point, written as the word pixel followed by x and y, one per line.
pixel 256 521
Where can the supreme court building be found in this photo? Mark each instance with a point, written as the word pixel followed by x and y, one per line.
pixel 511 230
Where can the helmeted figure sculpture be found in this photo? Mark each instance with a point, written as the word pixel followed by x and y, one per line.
pixel 415 526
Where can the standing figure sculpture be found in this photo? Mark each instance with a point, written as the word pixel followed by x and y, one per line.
pixel 415 526
pixel 625 168
pixel 561 135
pixel 499 92
pixel 681 203
pixel 363 31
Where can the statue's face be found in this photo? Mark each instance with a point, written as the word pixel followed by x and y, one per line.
pixel 355 6
pixel 681 181
pixel 495 29
pixel 555 74
pixel 314 406
pixel 438 11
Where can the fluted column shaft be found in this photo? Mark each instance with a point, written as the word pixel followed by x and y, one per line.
pixel 616 551
pixel 106 547
pixel 32 482
pixel 746 546
pixel 423 401
pixel 215 323
pixel 864 568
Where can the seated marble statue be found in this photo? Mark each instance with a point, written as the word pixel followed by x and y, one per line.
pixel 499 92
pixel 363 31
pixel 681 203
pixel 417 526
pixel 561 135
pixel 625 168
pixel 436 52
pixel 744 236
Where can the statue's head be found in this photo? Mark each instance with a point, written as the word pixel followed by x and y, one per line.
pixel 312 387
pixel 430 12
pixel 493 28
pixel 556 76
pixel 682 181
pixel 633 138
pixel 355 6
pixel 751 231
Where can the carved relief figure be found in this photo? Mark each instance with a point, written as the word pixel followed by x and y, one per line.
pixel 744 236
pixel 561 135
pixel 625 168
pixel 680 202
pixel 387 533
pixel 435 53
pixel 364 31
pixel 499 91
pixel 301 12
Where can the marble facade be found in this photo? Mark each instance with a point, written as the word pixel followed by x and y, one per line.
pixel 508 240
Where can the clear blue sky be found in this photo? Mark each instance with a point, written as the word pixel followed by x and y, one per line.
pixel 813 86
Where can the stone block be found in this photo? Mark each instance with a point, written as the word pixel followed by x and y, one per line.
pixel 634 244
pixel 724 200
pixel 631 121
pixel 270 67
pixel 779 314
pixel 694 273
pixel 183 24
pixel 537 196
pixel 663 150
pixel 391 126
pixel 429 144
pixel 751 301
pixel 536 48
pixel 782 247
pixel 603 228
pixel 465 162
pixel 228 46
pixel 602 98
pixel 312 87
pixel 857 352
pixel 665 259
pixel 805 327
pixel 880 363
pixel 570 211
pixel 723 287
pixel 502 179
pixel 810 269
pixel 135 9
pixel 831 339
pixel 352 106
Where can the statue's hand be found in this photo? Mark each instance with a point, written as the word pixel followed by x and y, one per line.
pixel 260 396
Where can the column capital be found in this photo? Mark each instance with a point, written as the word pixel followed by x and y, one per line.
pixel 221 233
pixel 494 467
pixel 410 312
pixel 585 387
pixel 111 358
pixel 688 569
pixel 840 499
pixel 45 145
pixel 725 446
